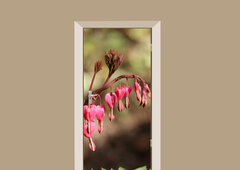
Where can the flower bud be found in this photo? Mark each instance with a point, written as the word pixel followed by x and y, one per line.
pixel 113 61
pixel 144 98
pixel 98 66
pixel 138 91
pixel 128 90
pixel 148 90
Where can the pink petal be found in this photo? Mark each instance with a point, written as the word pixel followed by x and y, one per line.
pixel 100 112
pixel 144 99
pixel 148 90
pixel 138 91
pixel 86 112
pixel 120 92
pixel 89 113
pixel 128 90
pixel 137 86
pixel 100 126
pixel 120 106
pixel 114 98
pixel 91 144
pixel 127 103
pixel 111 99
pixel 111 115
pixel 85 131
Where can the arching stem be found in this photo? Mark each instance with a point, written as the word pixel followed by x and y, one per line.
pixel 108 85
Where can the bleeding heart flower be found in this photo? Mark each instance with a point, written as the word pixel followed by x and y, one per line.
pixel 89 135
pixel 100 115
pixel 120 92
pixel 138 91
pixel 111 99
pixel 128 90
pixel 89 112
pixel 148 90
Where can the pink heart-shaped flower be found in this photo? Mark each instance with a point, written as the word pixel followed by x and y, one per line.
pixel 120 92
pixel 128 90
pixel 89 113
pixel 100 109
pixel 111 99
pixel 100 115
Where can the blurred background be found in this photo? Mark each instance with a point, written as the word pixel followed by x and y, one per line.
pixel 124 142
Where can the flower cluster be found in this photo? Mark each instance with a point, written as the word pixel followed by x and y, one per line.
pixel 142 99
pixel 90 111
pixel 113 61
pixel 119 93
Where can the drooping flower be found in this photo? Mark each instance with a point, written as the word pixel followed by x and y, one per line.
pixel 89 112
pixel 144 98
pixel 128 90
pixel 111 99
pixel 138 91
pixel 148 90
pixel 120 92
pixel 100 115
pixel 89 135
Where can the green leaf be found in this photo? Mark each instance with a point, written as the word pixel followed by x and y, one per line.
pixel 121 168
pixel 103 169
pixel 141 168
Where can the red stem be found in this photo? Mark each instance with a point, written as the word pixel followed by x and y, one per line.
pixel 90 88
pixel 108 78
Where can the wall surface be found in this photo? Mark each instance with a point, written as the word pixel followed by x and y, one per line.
pixel 200 80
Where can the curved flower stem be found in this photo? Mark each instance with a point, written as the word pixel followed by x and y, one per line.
pixel 106 86
pixel 90 88
pixel 108 78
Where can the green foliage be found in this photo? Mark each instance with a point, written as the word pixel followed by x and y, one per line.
pixel 142 168
pixel 121 168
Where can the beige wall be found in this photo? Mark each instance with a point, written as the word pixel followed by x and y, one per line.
pixel 200 80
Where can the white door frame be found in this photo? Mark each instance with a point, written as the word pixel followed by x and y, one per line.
pixel 156 85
